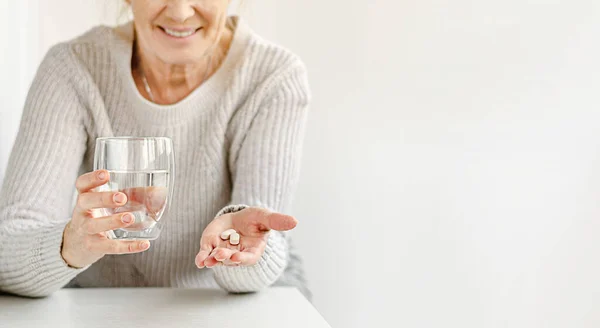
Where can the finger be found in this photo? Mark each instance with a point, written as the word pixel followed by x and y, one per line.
pixel 221 254
pixel 120 246
pixel 107 223
pixel 91 180
pixel 280 222
pixel 207 247
pixel 227 259
pixel 153 197
pixel 269 220
pixel 247 257
pixel 156 197
pixel 230 263
pixel 211 261
pixel 202 256
pixel 210 241
pixel 106 199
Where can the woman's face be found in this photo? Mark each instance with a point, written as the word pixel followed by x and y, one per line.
pixel 178 32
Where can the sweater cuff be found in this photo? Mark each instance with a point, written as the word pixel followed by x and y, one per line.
pixel 242 279
pixel 42 270
pixel 231 209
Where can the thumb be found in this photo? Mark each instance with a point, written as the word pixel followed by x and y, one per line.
pixel 277 221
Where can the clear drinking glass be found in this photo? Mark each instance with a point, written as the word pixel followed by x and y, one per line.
pixel 143 168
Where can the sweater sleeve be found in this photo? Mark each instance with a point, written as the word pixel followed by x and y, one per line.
pixel 265 173
pixel 36 196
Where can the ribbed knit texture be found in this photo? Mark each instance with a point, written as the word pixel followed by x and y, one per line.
pixel 237 140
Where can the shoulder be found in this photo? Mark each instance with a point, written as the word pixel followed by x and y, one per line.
pixel 79 65
pixel 96 37
pixel 97 46
pixel 279 66
pixel 272 58
pixel 272 68
pixel 89 58
pixel 104 37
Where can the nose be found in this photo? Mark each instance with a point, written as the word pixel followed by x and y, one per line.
pixel 180 10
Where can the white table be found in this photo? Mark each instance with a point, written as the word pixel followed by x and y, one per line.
pixel 276 307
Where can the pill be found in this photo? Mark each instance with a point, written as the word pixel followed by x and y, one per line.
pixel 234 238
pixel 225 234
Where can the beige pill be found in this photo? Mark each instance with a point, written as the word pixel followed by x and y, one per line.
pixel 227 233
pixel 234 238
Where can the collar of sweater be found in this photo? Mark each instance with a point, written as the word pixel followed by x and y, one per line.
pixel 202 98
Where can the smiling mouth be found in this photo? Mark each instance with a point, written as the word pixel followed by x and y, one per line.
pixel 179 33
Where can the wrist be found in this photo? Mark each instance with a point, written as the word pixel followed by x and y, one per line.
pixel 64 252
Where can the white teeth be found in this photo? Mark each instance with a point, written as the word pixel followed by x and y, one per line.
pixel 178 34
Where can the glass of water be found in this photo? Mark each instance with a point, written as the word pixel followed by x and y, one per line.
pixel 143 168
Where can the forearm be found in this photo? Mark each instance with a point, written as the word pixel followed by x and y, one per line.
pixel 39 181
pixel 31 261
pixel 265 169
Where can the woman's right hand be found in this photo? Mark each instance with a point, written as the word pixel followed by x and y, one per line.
pixel 84 238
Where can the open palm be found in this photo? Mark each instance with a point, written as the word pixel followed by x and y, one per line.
pixel 253 224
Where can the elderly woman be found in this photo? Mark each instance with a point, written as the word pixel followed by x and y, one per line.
pixel 233 104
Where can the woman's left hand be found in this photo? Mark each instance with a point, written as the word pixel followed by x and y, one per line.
pixel 252 224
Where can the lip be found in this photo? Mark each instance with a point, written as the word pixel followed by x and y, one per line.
pixel 180 30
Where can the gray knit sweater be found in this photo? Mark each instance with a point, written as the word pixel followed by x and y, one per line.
pixel 237 140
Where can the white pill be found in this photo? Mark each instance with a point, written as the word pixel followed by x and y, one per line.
pixel 234 238
pixel 225 234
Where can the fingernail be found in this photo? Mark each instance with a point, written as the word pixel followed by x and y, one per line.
pixel 145 245
pixel 127 218
pixel 102 175
pixel 119 198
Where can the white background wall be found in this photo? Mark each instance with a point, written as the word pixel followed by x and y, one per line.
pixel 452 161
pixel 18 48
